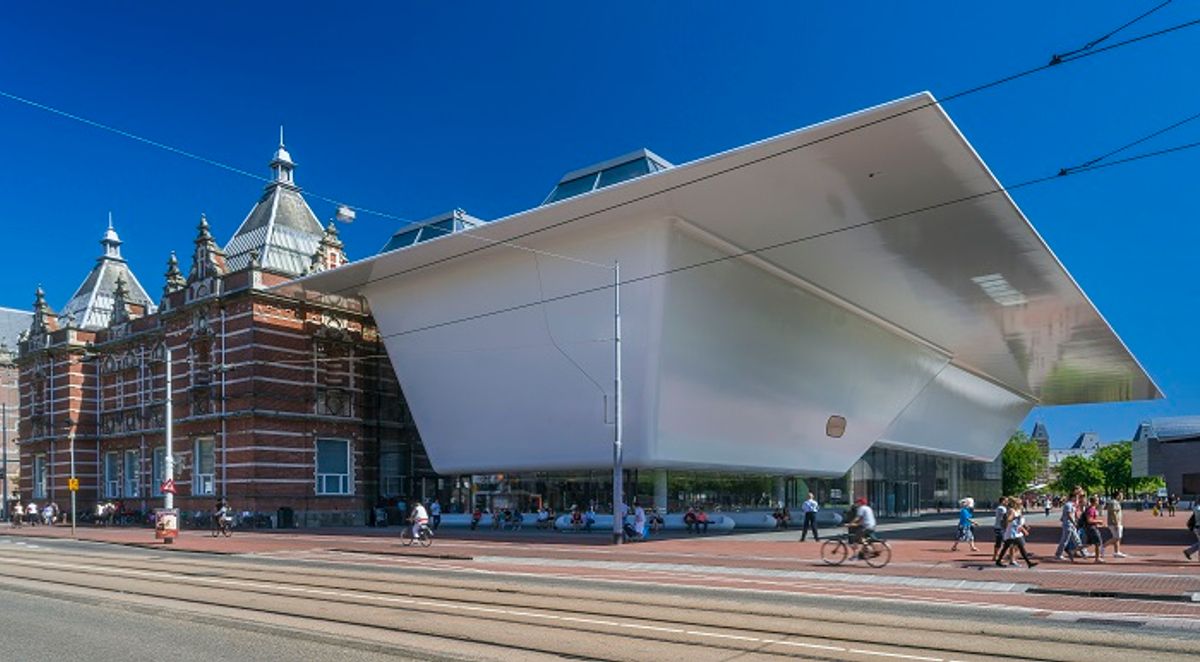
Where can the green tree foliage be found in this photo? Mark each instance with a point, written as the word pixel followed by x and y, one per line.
pixel 1022 463
pixel 1078 470
pixel 1115 461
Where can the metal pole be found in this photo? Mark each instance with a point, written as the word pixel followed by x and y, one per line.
pixel 72 483
pixel 169 456
pixel 618 472
pixel 4 416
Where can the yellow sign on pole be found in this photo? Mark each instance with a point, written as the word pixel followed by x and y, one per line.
pixel 73 484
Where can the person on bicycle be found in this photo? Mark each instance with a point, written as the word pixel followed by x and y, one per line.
pixel 862 527
pixel 221 513
pixel 419 520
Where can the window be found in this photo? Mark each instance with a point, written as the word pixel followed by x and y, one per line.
pixel 112 480
pixel 133 474
pixel 333 466
pixel 41 475
pixel 204 468
pixel 157 466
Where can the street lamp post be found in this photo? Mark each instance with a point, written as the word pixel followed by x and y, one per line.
pixel 169 452
pixel 618 471
pixel 4 443
pixel 74 484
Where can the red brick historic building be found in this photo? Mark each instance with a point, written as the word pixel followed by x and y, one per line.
pixel 278 402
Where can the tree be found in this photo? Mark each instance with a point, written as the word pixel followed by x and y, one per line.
pixel 1078 470
pixel 1115 461
pixel 1022 462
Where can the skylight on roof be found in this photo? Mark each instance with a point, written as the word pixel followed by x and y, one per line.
pixel 614 171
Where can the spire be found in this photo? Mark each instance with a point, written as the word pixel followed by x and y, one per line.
pixel 111 242
pixel 120 312
pixel 282 164
pixel 175 279
pixel 44 319
pixel 330 253
pixel 208 261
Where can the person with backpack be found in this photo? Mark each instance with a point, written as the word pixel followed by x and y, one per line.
pixel 1194 527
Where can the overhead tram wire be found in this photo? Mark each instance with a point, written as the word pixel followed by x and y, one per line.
pixel 1071 56
pixel 1059 58
pixel 816 141
pixel 795 241
pixel 1098 159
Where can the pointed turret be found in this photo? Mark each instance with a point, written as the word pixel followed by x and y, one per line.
pixel 91 307
pixel 281 228
pixel 44 319
pixel 174 277
pixel 208 261
pixel 120 312
pixel 330 253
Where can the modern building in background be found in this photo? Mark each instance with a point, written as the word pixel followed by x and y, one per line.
pixel 856 307
pixel 1169 448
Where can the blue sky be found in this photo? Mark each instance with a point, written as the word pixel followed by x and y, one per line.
pixel 415 109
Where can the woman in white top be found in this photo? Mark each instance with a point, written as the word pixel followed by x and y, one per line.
pixel 1014 535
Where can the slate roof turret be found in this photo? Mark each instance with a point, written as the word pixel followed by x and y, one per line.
pixel 281 227
pixel 91 306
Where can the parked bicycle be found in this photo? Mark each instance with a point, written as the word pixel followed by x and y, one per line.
pixel 877 553
pixel 424 537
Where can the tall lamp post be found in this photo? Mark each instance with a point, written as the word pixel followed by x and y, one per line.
pixel 73 480
pixel 618 470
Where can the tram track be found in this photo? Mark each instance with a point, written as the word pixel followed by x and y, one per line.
pixel 655 622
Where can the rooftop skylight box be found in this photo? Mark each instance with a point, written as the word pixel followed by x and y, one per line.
pixel 607 173
pixel 431 228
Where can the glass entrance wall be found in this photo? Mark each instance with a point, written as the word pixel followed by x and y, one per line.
pixel 908 484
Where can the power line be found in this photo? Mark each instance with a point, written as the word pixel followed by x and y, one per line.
pixel 790 242
pixel 1089 163
pixel 788 150
pixel 1071 56
pixel 1059 58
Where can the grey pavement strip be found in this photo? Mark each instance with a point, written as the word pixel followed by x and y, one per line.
pixel 798 575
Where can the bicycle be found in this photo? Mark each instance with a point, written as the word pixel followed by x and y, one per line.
pixel 222 526
pixel 877 553
pixel 424 538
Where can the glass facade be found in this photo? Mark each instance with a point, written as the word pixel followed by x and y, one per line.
pixel 897 483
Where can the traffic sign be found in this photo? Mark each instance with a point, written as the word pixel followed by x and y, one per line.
pixel 168 486
pixel 73 484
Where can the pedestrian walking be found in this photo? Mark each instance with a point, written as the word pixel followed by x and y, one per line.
pixel 810 509
pixel 1014 535
pixel 1172 504
pixel 1193 525
pixel 966 524
pixel 998 527
pixel 1046 505
pixel 1092 523
pixel 1068 534
pixel 1116 524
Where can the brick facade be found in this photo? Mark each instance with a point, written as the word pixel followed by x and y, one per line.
pixel 260 383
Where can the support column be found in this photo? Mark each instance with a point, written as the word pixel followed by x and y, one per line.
pixel 660 491
pixel 778 498
pixel 955 471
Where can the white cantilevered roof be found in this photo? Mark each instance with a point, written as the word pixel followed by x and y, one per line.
pixel 973 279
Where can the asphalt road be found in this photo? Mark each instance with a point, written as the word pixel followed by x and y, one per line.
pixel 65 600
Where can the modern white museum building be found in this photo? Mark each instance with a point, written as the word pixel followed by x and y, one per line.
pixel 855 307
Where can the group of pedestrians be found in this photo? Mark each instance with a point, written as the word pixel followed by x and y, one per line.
pixel 30 514
pixel 1083 527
